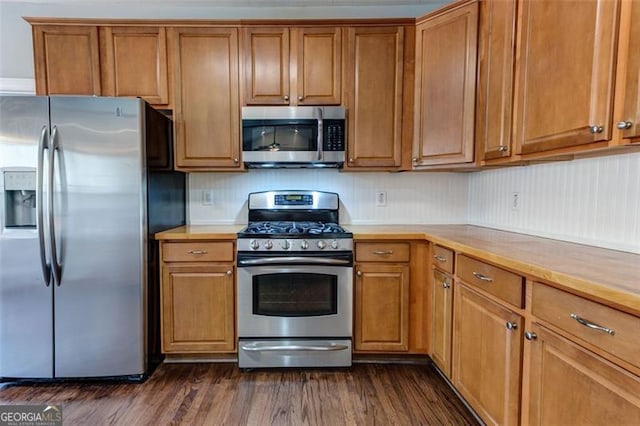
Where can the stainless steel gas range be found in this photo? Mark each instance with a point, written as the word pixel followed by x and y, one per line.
pixel 295 282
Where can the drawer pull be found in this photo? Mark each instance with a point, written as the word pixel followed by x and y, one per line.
pixel 440 258
pixel 591 325
pixel 482 277
pixel 511 325
pixel 198 252
pixel 383 252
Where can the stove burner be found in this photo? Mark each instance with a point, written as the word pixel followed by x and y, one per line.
pixel 295 227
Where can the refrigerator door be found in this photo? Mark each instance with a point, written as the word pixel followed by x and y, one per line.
pixel 26 303
pixel 100 236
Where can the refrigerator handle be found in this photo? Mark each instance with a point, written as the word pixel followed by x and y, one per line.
pixel 43 144
pixel 55 266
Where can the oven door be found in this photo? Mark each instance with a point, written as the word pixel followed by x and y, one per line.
pixel 295 301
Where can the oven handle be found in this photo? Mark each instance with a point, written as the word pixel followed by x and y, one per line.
pixel 281 348
pixel 320 134
pixel 293 260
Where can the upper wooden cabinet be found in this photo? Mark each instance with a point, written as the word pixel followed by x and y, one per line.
pixel 292 66
pixel 629 120
pixel 207 110
pixel 374 79
pixel 133 62
pixel 564 74
pixel 446 45
pixel 495 78
pixel 66 60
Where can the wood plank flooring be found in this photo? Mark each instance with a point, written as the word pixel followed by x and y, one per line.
pixel 222 394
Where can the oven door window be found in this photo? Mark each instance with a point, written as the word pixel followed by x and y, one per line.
pixel 279 135
pixel 295 294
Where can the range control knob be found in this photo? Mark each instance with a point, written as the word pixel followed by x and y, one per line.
pixel 285 244
pixel 268 244
pixel 254 245
pixel 334 244
pixel 321 244
pixel 304 244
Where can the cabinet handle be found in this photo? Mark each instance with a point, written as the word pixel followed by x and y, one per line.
pixel 482 277
pixel 624 125
pixel 511 325
pixel 286 97
pixel 229 272
pixel 440 258
pixel 592 325
pixel 596 129
pixel 350 159
pixel 359 273
pixel 445 284
pixel 503 148
pixel 530 335
pixel 235 160
pixel 414 159
pixel 383 252
pixel 300 98
pixel 198 252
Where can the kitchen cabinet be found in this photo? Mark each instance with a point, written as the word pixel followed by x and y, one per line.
pixel 446 46
pixel 198 297
pixel 66 59
pixel 374 93
pixel 571 385
pixel 206 96
pixel 486 356
pixel 629 120
pixel 564 74
pixel 292 66
pixel 441 323
pixel 496 49
pixel 382 291
pixel 133 62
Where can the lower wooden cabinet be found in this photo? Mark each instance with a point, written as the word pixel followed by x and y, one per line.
pixel 197 300
pixel 571 385
pixel 487 356
pixel 442 299
pixel 381 307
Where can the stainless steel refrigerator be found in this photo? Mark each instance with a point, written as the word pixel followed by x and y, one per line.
pixel 84 184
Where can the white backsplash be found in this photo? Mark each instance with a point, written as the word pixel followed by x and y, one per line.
pixel 411 197
pixel 593 201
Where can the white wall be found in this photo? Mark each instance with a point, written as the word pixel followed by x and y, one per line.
pixel 411 197
pixel 592 201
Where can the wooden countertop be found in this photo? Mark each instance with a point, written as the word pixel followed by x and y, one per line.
pixel 610 276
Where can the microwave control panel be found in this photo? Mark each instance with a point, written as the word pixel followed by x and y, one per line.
pixel 333 135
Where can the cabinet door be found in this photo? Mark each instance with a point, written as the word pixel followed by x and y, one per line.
pixel 266 66
pixel 564 73
pixel 381 307
pixel 134 63
pixel 316 55
pixel 446 48
pixel 487 356
pixel 441 321
pixel 198 308
pixel 66 60
pixel 570 385
pixel 630 121
pixel 207 110
pixel 374 83
pixel 495 78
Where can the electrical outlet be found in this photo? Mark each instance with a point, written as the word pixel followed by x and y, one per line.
pixel 515 201
pixel 207 197
pixel 381 198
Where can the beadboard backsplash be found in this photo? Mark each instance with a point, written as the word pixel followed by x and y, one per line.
pixel 411 197
pixel 592 201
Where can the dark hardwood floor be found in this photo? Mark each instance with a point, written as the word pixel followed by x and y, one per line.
pixel 221 394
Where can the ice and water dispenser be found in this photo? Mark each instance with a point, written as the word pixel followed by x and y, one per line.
pixel 19 198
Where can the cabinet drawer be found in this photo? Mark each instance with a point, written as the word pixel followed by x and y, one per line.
pixel 382 252
pixel 443 258
pixel 612 331
pixel 498 282
pixel 198 252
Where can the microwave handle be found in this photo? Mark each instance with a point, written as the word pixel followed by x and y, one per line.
pixel 320 134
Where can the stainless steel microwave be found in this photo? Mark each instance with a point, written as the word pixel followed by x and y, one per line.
pixel 293 136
